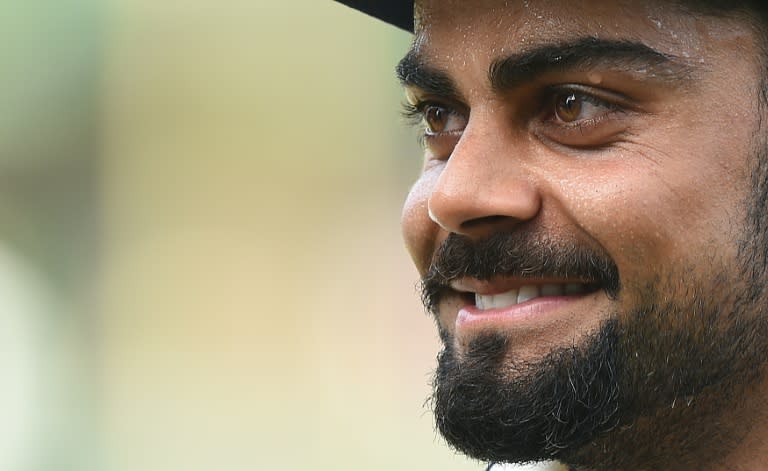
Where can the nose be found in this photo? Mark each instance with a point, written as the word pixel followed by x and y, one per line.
pixel 484 187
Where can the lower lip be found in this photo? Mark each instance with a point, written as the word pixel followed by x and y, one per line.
pixel 535 310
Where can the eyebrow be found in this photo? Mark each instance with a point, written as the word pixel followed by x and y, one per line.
pixel 586 53
pixel 413 71
pixel 583 53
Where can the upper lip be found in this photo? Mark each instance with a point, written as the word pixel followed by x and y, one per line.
pixel 502 285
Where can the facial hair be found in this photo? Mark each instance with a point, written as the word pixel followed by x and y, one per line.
pixel 648 385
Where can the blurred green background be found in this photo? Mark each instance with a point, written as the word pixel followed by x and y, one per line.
pixel 200 263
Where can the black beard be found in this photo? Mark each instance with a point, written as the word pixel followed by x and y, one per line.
pixel 494 409
pixel 648 386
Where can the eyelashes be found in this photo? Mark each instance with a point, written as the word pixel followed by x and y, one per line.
pixel 414 117
pixel 413 114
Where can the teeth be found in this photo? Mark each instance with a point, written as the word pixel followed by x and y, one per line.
pixel 506 299
pixel 481 300
pixel 496 301
pixel 552 290
pixel 526 293
pixel 575 288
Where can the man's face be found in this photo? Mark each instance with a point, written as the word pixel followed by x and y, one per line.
pixel 583 206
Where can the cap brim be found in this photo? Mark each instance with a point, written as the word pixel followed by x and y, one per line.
pixel 395 12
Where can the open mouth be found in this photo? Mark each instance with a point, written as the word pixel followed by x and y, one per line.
pixel 486 298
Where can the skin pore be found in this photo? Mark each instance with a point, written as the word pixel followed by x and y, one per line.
pixel 600 155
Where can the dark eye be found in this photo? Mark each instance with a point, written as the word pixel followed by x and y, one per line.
pixel 568 107
pixel 440 120
pixel 573 107
pixel 435 117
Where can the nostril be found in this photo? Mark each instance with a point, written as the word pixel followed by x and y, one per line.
pixel 484 221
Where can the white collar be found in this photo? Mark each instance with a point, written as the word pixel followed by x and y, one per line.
pixel 546 466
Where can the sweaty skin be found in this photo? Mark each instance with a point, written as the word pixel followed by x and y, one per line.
pixel 648 161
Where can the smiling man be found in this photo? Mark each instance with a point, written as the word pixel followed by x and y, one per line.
pixel 591 226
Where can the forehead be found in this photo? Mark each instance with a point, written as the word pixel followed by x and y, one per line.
pixel 448 30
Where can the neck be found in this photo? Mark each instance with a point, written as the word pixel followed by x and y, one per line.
pixel 751 451
pixel 712 432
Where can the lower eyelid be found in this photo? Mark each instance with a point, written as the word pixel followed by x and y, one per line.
pixel 441 145
pixel 459 126
pixel 444 134
pixel 582 135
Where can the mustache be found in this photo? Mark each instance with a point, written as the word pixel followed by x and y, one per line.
pixel 515 254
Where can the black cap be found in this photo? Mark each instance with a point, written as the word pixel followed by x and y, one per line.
pixel 394 12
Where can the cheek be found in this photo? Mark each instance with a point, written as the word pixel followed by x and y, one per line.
pixel 655 212
pixel 419 231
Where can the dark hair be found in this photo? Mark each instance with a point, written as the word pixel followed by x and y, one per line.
pixel 755 11
pixel 752 11
pixel 714 7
